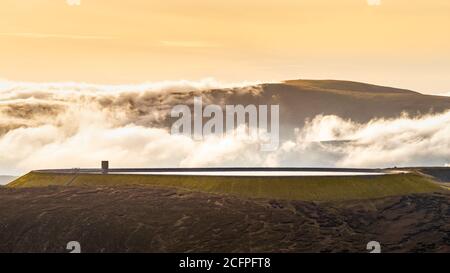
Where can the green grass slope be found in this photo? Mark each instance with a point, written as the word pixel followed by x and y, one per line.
pixel 333 188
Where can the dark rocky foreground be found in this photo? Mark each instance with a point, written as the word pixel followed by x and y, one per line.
pixel 147 219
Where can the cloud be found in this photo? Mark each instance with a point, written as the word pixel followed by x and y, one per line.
pixel 402 141
pixel 55 36
pixel 75 124
pixel 374 2
pixel 73 2
pixel 188 44
pixel 64 125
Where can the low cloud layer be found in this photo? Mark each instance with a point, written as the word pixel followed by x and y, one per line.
pixel 78 125
pixel 73 2
pixel 374 2
pixel 403 141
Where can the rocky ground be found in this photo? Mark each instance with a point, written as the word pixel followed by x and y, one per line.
pixel 149 219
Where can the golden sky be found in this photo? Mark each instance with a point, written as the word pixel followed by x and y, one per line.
pixel 403 43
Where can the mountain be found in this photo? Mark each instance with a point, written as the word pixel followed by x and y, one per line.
pixel 300 100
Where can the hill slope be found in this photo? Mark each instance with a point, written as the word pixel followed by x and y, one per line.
pixel 304 99
pixel 308 188
pixel 154 219
pixel 360 102
pixel 298 100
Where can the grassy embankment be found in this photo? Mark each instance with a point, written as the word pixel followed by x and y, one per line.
pixel 331 188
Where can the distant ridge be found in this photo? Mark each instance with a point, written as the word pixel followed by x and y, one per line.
pixel 351 86
pixel 300 100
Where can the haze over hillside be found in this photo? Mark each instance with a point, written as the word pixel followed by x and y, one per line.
pixel 149 104
pixel 300 100
pixel 322 123
pixel 5 179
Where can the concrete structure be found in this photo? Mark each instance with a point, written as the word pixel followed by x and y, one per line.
pixel 105 167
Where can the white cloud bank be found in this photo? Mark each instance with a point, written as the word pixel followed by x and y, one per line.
pixel 76 125
pixel 54 36
pixel 374 2
pixel 403 141
pixel 73 2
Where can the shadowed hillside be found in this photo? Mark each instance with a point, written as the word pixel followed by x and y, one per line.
pixel 42 212
pixel 441 174
pixel 156 219
pixel 304 99
pixel 298 100
pixel 357 101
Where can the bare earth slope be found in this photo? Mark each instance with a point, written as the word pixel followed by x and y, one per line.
pixel 42 212
pixel 156 219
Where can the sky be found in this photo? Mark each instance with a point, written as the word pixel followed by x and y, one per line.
pixel 401 43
